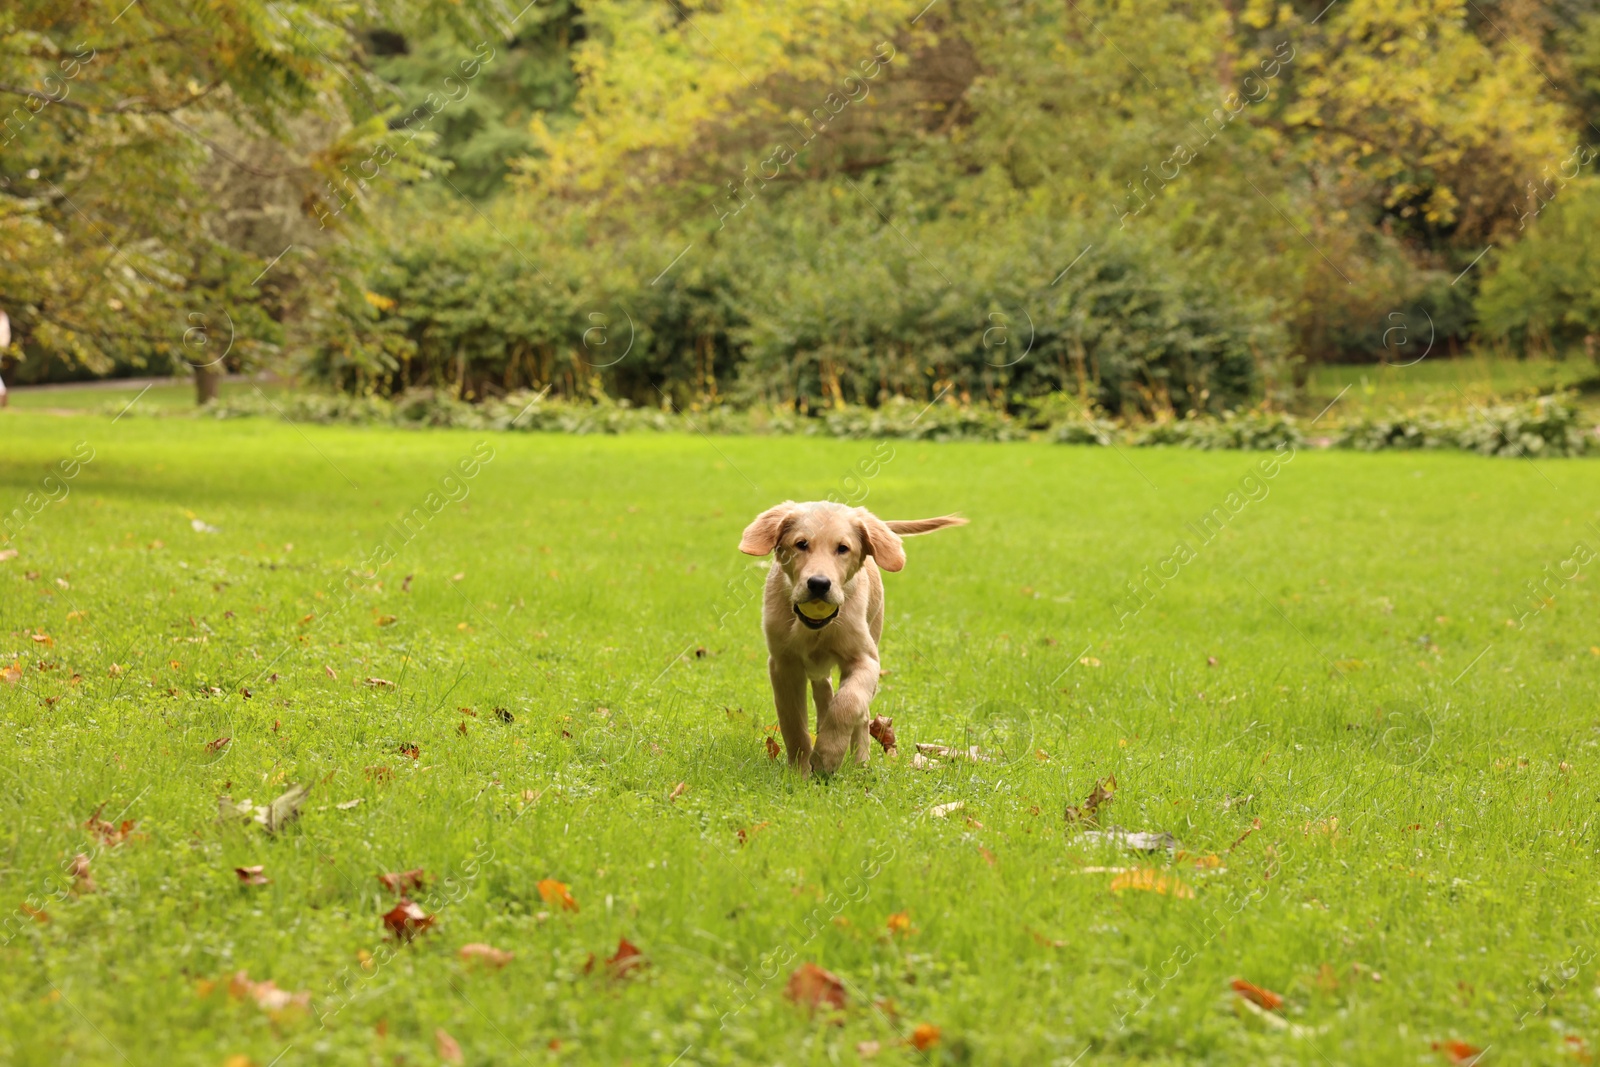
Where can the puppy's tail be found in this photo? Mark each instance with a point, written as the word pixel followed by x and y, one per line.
pixel 908 527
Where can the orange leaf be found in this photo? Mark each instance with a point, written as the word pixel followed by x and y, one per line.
pixel 1458 1052
pixel 1150 880
pixel 626 958
pixel 403 882
pixel 772 747
pixel 811 986
pixel 677 791
pixel 12 674
pixel 406 920
pixel 925 1037
pixel 1261 998
pixel 449 1050
pixel 494 957
pixel 900 922
pixel 38 915
pixel 44 639
pixel 554 892
pixel 745 836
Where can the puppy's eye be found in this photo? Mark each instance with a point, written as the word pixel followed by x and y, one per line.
pixel 802 545
pixel 844 550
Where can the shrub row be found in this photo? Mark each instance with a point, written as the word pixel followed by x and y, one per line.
pixel 1540 426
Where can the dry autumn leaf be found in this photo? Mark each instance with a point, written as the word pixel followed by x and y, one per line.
pixel 266 994
pixel 772 748
pixel 677 791
pixel 108 833
pixel 486 954
pixel 82 882
pixel 924 1037
pixel 882 731
pixel 1458 1052
pixel 899 923
pixel 403 882
pixel 746 835
pixel 554 892
pixel 1150 880
pixel 1089 810
pixel 12 674
pixel 973 752
pixel 251 875
pixel 449 1051
pixel 1263 998
pixel 810 986
pixel 406 920
pixel 625 959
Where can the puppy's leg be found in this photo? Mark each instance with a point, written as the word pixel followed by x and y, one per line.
pixel 822 697
pixel 863 744
pixel 789 694
pixel 848 714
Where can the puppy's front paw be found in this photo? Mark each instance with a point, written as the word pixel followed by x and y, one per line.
pixel 832 743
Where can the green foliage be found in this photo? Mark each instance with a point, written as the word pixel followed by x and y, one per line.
pixel 1545 292
pixel 1252 431
pixel 1541 426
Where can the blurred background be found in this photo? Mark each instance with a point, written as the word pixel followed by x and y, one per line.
pixel 1136 210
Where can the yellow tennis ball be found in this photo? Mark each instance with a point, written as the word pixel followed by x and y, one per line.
pixel 818 610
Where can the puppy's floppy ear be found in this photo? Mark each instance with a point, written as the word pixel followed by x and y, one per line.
pixel 761 536
pixel 881 543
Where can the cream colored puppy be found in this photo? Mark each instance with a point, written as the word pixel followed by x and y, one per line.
pixel 823 609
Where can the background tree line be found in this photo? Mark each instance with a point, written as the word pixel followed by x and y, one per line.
pixel 1148 206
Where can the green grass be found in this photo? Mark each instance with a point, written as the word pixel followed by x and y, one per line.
pixel 1449 383
pixel 1424 775
pixel 107 396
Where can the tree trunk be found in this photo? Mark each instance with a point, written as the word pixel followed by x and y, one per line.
pixel 206 380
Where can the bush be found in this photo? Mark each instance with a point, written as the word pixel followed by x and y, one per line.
pixel 1546 292
pixel 1542 426
pixel 1258 431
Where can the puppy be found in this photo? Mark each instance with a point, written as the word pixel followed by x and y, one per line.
pixel 823 608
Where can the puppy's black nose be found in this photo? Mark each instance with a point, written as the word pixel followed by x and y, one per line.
pixel 818 585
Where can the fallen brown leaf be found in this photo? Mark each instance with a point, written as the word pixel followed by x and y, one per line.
pixel 487 954
pixel 810 986
pixel 449 1050
pixel 772 748
pixel 554 892
pixel 925 1036
pixel 882 731
pixel 746 835
pixel 1088 812
pixel 625 959
pixel 677 791
pixel 1263 998
pixel 403 882
pixel 900 923
pixel 111 835
pixel 251 875
pixel 82 882
pixel 406 920
pixel 12 674
pixel 267 995
pixel 378 683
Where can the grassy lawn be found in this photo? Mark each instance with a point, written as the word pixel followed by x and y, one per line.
pixel 112 396
pixel 1444 382
pixel 1384 793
